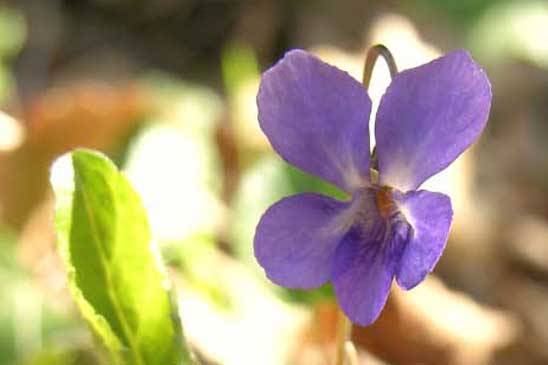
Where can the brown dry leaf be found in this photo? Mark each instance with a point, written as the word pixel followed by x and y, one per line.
pixel 89 114
pixel 527 243
pixel 432 324
pixel 429 325
pixel 528 299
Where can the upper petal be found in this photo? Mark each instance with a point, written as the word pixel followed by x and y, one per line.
pixel 428 116
pixel 316 117
pixel 366 261
pixel 430 215
pixel 296 239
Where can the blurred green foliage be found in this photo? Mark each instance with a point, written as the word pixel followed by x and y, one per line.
pixel 512 31
pixel 13 24
pixel 29 320
pixel 462 13
pixel 238 65
pixel 13 30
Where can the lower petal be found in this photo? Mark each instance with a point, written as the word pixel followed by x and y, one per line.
pixel 430 215
pixel 296 238
pixel 365 264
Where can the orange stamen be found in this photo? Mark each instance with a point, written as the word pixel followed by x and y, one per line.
pixel 385 204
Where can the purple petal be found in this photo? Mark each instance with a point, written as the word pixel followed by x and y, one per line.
pixel 365 264
pixel 296 239
pixel 428 117
pixel 430 215
pixel 316 117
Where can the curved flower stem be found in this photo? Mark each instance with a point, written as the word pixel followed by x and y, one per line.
pixel 345 348
pixel 343 335
pixel 372 55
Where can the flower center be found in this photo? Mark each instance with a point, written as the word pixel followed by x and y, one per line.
pixel 385 203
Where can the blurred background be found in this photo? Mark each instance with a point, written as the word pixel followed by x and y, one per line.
pixel 167 89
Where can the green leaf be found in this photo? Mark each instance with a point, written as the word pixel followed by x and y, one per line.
pixel 114 273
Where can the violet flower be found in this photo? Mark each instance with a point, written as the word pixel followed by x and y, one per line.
pixel 316 117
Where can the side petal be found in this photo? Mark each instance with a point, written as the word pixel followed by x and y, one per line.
pixel 430 215
pixel 365 265
pixel 296 238
pixel 428 116
pixel 316 117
